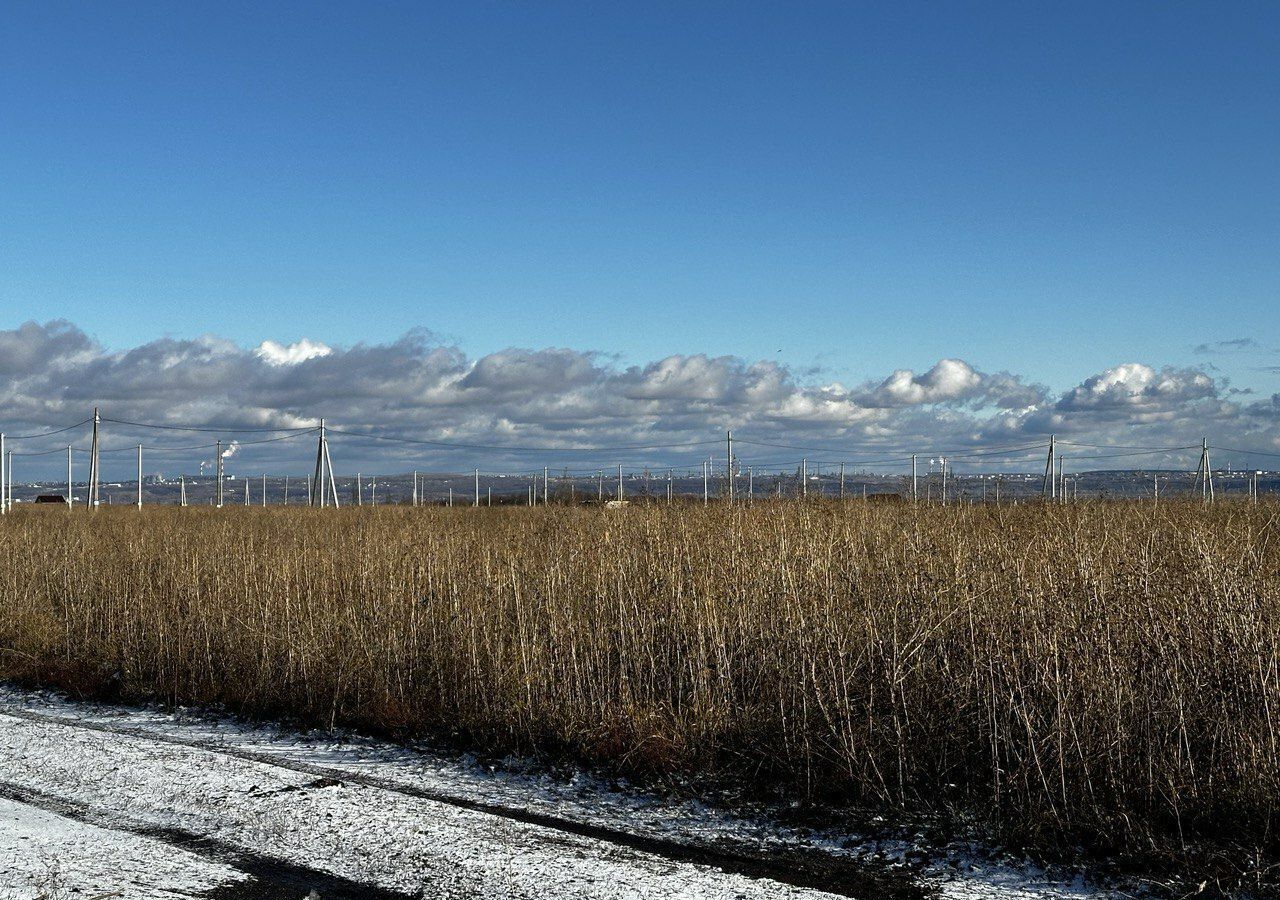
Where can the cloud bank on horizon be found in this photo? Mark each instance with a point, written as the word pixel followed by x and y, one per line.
pixel 555 399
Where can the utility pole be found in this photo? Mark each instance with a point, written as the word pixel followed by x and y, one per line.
pixel 915 493
pixel 95 471
pixel 324 485
pixel 621 494
pixel 217 469
pixel 1205 473
pixel 1049 488
pixel 804 478
pixel 139 476
pixel 729 462
pixel 943 460
pixel 600 487
pixel 286 490
pixel 1062 484
pixel 9 480
pixel 706 488
pixel 71 500
pixel 264 490
pixel 182 490
pixel 415 487
pixel 841 481
pixel 751 484
pixel 546 487
pixel 359 489
pixel 3 510
pixel 668 487
pixel 477 503
pixel 246 491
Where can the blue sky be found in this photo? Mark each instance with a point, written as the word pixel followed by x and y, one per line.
pixel 842 189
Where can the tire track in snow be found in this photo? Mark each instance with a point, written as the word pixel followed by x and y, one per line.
pixel 799 868
pixel 267 876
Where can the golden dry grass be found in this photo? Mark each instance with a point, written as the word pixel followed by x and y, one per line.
pixel 1101 671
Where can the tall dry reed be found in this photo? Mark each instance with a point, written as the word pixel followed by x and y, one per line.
pixel 1101 671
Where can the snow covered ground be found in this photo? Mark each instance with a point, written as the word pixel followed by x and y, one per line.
pixel 128 802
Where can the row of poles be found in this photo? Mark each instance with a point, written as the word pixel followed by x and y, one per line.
pixel 322 488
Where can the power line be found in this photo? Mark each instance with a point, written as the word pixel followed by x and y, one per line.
pixel 212 429
pixel 27 437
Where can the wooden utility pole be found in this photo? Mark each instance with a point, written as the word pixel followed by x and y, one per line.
pixel 915 493
pixel 1049 487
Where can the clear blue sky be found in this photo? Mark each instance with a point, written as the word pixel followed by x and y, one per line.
pixel 1049 189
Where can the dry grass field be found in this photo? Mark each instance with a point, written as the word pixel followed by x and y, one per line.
pixel 1104 673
